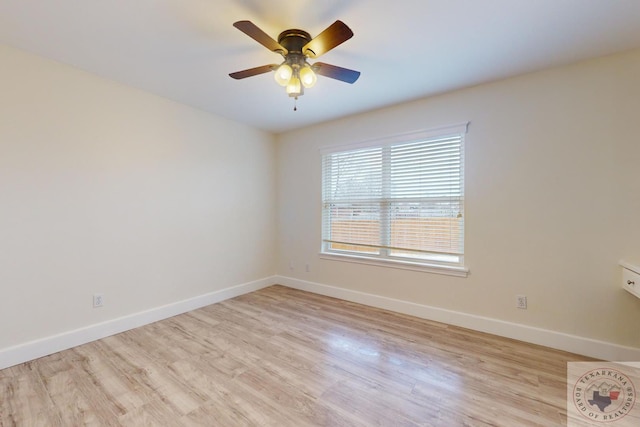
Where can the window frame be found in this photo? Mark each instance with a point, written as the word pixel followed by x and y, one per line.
pixel 384 259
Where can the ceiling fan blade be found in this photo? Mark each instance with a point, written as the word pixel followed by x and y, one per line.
pixel 250 29
pixel 335 72
pixel 336 34
pixel 253 71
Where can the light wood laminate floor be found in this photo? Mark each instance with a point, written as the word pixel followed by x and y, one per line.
pixel 282 357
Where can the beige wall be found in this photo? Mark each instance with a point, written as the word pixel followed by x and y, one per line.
pixel 552 199
pixel 107 189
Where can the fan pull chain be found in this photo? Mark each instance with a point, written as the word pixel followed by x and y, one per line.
pixel 295 104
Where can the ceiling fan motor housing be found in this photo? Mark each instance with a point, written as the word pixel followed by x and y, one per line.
pixel 293 40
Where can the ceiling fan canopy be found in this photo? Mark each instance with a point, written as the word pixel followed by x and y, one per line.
pixel 296 46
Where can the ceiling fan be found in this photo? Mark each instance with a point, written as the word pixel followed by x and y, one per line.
pixel 296 46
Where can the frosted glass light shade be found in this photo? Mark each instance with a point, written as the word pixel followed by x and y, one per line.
pixel 283 74
pixel 308 77
pixel 294 88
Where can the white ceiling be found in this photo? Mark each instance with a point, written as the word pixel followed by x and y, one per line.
pixel 406 49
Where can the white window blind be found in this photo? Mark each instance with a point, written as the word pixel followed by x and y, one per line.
pixel 400 199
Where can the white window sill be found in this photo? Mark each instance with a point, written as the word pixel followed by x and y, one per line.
pixel 403 265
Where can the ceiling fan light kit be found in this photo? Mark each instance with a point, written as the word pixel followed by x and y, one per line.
pixel 295 73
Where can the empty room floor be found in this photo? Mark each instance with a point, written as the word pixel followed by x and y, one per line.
pixel 284 357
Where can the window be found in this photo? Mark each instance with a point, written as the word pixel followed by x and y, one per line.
pixel 397 200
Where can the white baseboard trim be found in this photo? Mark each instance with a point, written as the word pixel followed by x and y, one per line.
pixel 575 344
pixel 558 340
pixel 42 347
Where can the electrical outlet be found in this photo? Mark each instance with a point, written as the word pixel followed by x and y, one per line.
pixel 521 301
pixel 307 268
pixel 291 266
pixel 98 300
